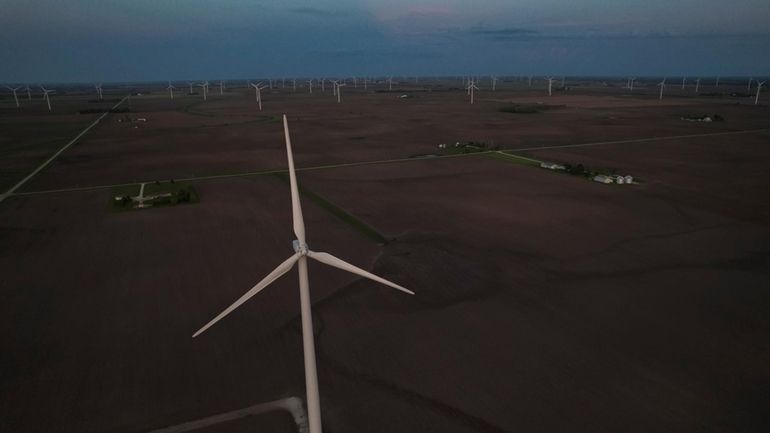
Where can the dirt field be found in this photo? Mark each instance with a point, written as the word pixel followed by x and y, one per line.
pixel 545 302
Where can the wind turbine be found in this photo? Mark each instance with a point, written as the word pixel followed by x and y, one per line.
pixel 310 86
pixel 323 85
pixel 258 90
pixel 29 93
pixel 98 88
pixel 301 253
pixel 471 87
pixel 494 83
pixel 191 84
pixel 697 85
pixel 294 84
pixel 631 82
pixel 171 89
pixel 390 84
pixel 46 96
pixel 759 87
pixel 205 86
pixel 221 88
pixel 15 98
pixel 684 80
pixel 550 85
pixel 662 85
pixel 338 88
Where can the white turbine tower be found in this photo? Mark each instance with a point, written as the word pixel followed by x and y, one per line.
pixel 258 91
pixel 221 88
pixel 494 83
pixel 170 89
pixel 98 88
pixel 759 87
pixel 550 85
pixel 697 85
pixel 310 86
pixel 191 86
pixel 662 85
pixel 294 84
pixel 301 253
pixel 631 82
pixel 390 84
pixel 471 87
pixel 15 98
pixel 684 80
pixel 323 85
pixel 46 96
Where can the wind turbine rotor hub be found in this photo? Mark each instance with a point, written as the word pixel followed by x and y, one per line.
pixel 299 247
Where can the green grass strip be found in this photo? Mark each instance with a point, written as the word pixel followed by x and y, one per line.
pixel 503 156
pixel 338 212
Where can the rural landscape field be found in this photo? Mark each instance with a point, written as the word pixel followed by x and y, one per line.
pixel 545 301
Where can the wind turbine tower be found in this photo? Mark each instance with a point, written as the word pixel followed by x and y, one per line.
pixel 300 256
pixel 759 87
pixel 550 85
pixel 697 85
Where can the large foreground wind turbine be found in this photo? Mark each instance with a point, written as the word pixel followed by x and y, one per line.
pixel 301 253
pixel 15 98
pixel 759 87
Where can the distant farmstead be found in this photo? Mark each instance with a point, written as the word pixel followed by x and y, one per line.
pixel 552 166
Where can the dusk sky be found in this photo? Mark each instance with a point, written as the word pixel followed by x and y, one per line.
pixel 112 40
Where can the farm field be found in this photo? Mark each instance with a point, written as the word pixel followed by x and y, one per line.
pixel 544 301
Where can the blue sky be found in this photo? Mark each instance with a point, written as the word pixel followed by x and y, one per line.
pixel 133 40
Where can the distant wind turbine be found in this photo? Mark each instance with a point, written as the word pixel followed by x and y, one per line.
pixel 294 84
pixel 98 88
pixel 550 85
pixel 221 88
pixel 662 85
pixel 191 86
pixel 310 86
pixel 29 93
pixel 15 98
pixel 684 80
pixel 759 87
pixel 170 89
pixel 697 85
pixel 631 83
pixel 258 93
pixel 471 87
pixel 494 83
pixel 338 87
pixel 390 84
pixel 301 253
pixel 205 86
pixel 46 96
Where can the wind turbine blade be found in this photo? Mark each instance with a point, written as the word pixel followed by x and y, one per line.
pixel 330 260
pixel 299 223
pixel 272 276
